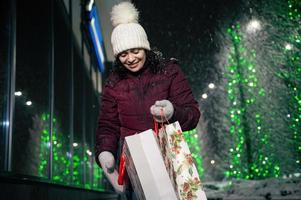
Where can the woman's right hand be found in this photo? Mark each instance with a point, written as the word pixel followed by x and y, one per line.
pixel 107 163
pixel 162 110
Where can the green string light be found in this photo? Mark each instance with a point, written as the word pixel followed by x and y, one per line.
pixel 98 176
pixel 294 9
pixel 44 148
pixel 292 76
pixel 191 137
pixel 243 92
pixel 62 159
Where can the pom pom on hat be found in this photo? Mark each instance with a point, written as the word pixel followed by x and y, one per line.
pixel 127 32
pixel 124 13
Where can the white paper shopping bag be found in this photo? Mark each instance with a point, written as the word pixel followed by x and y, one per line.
pixel 146 169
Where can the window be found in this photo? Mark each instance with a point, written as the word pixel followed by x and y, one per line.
pixel 31 115
pixel 4 62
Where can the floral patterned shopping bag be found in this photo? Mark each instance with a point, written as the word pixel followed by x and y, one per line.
pixel 179 163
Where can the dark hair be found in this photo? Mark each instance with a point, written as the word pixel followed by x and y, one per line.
pixel 154 60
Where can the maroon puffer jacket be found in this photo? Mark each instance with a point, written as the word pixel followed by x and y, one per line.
pixel 125 107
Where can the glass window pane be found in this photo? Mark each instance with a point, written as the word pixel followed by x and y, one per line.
pixel 88 128
pixel 30 126
pixel 4 59
pixel 79 117
pixel 94 173
pixel 62 98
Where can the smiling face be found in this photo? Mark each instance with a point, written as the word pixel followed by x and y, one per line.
pixel 133 59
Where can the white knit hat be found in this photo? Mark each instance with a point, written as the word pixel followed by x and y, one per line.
pixel 127 32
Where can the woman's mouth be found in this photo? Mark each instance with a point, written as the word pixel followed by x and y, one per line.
pixel 133 65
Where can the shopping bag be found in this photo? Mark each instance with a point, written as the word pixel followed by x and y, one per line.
pixel 179 163
pixel 146 169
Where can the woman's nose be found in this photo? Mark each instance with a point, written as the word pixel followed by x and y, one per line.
pixel 131 58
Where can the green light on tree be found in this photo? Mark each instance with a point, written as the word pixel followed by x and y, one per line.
pixel 249 157
pixel 191 137
pixel 63 172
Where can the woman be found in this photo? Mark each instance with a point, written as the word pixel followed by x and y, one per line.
pixel 140 86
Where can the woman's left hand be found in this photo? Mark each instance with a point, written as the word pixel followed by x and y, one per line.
pixel 162 110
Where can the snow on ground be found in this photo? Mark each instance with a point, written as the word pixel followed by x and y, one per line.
pixel 267 189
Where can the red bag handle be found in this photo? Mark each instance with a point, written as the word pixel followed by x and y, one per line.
pixel 121 168
pixel 156 124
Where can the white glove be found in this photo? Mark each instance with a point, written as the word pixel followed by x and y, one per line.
pixel 165 106
pixel 107 163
